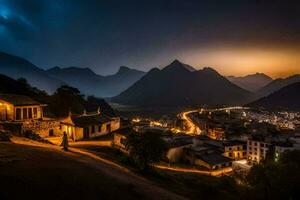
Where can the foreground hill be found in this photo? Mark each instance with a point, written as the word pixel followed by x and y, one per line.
pixel 287 97
pixel 16 67
pixel 45 172
pixel 277 84
pixel 176 85
pixel 91 83
pixel 251 82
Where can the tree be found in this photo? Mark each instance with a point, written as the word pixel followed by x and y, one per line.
pixel 145 149
pixel 67 99
pixel 276 180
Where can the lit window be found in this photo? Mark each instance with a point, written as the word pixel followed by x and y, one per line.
pixel 30 113
pixel 25 114
pixel 18 113
pixel 35 112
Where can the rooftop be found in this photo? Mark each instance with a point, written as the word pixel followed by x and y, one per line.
pixel 214 159
pixel 88 120
pixel 18 100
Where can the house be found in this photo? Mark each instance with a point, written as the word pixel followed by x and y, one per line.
pixel 175 147
pixel 216 133
pixel 89 125
pixel 235 149
pixel 257 150
pixel 207 156
pixel 19 108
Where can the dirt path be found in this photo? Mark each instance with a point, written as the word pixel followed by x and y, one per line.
pixel 121 175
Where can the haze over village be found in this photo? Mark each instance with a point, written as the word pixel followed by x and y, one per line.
pixel 149 100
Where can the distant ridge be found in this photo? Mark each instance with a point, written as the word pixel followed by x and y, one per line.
pixel 287 97
pixel 176 85
pixel 252 82
pixel 91 83
pixel 16 67
pixel 277 84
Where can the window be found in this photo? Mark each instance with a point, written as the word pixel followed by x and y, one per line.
pixel 25 114
pixel 35 112
pixel 18 113
pixel 51 132
pixel 30 113
pixel 93 129
pixel 99 128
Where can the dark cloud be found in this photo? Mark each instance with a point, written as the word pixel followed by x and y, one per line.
pixel 104 34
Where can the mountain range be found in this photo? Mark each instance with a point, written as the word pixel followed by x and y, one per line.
pixel 84 79
pixel 277 84
pixel 287 97
pixel 91 83
pixel 16 67
pixel 177 85
pixel 252 82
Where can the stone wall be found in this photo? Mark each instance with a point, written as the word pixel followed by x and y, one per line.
pixel 45 128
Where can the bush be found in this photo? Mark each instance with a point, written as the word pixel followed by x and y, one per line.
pixel 145 149
pixel 5 136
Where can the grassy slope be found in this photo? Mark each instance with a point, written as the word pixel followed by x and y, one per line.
pixel 31 172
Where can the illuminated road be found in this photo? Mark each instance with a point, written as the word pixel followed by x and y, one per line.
pixel 219 172
pixel 194 129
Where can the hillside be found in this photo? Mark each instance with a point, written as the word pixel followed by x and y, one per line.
pixel 175 85
pixel 91 83
pixel 59 102
pixel 277 84
pixel 251 82
pixel 16 67
pixel 45 171
pixel 287 97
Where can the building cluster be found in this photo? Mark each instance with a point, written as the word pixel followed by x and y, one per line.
pixel 20 114
pixel 283 120
pixel 227 140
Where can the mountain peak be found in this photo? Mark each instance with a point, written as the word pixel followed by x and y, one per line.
pixel 209 70
pixel 123 69
pixel 175 62
pixel 177 65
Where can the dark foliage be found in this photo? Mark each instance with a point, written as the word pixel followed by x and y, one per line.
pixel 276 180
pixel 67 99
pixel 145 149
pixel 5 136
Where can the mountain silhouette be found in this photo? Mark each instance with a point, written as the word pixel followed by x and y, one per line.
pixel 91 83
pixel 287 97
pixel 16 67
pixel 176 85
pixel 252 82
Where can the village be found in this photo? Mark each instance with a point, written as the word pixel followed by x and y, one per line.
pixel 210 142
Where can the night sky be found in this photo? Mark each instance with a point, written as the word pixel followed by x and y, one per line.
pixel 234 37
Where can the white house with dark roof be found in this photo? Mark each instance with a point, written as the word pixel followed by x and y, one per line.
pixel 19 108
pixel 89 125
